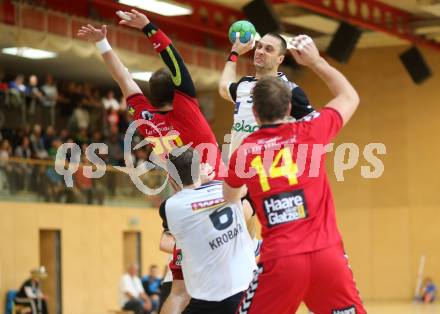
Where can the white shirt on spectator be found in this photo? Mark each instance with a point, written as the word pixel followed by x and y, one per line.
pixel 132 285
pixel 110 104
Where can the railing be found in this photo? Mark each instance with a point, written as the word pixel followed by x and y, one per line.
pixel 38 181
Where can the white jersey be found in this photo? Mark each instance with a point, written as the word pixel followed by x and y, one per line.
pixel 244 120
pixel 218 257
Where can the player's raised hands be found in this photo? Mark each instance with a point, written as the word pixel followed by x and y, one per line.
pixel 133 19
pixel 241 48
pixel 92 34
pixel 304 50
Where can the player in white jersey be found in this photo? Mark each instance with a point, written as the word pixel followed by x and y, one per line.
pixel 268 56
pixel 218 258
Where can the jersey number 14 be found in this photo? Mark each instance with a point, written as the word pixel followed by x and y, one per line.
pixel 282 166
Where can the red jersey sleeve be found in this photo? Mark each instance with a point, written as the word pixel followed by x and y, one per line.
pixel 233 180
pixel 326 126
pixel 139 107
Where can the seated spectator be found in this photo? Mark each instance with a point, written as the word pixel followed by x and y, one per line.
pixel 133 296
pixel 37 143
pixel 48 137
pixel 6 167
pixel 151 284
pixel 30 293
pixel 429 291
pixel 23 170
pixel 54 188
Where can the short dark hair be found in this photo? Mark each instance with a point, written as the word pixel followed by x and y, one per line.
pixel 161 88
pixel 186 162
pixel 283 43
pixel 271 98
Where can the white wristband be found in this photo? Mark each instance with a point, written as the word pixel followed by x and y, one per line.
pixel 103 46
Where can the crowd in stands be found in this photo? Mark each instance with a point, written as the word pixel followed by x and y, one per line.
pixel 50 114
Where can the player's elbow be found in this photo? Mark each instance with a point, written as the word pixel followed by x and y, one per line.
pixel 230 194
pixel 223 90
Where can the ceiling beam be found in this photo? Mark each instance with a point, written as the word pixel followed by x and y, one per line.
pixel 369 14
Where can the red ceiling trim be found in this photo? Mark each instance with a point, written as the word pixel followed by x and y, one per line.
pixel 369 14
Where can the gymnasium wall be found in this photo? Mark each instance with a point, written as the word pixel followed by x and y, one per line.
pixel 92 249
pixel 387 223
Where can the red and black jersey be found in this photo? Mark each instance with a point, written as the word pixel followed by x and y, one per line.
pixel 185 123
pixel 283 168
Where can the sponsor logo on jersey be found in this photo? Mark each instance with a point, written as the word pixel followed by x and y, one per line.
pixel 146 115
pixel 226 237
pixel 207 204
pixel 131 110
pixel 285 207
pixel 347 310
pixel 242 127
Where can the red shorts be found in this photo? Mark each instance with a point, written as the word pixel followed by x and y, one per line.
pixel 322 280
pixel 176 264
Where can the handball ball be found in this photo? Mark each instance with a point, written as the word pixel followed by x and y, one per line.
pixel 245 28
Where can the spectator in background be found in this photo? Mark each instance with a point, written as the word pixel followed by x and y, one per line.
pixel 111 107
pixel 429 291
pixel 151 284
pixel 82 137
pixel 115 148
pixel 64 135
pixel 48 138
pixel 80 118
pixel 50 99
pixel 3 87
pixel 37 143
pixel 23 170
pixel 30 293
pixel 6 167
pixel 54 187
pixel 83 184
pixel 34 94
pixel 110 102
pixel 17 91
pixel 133 296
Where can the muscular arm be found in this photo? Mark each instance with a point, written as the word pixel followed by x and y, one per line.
pixel 228 76
pixel 230 70
pixel 120 74
pixel 167 242
pixel 181 77
pixel 346 99
pixel 118 71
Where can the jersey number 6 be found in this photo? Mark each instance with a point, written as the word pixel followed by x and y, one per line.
pixel 221 218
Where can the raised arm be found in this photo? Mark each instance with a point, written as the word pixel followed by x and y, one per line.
pixel 118 71
pixel 346 99
pixel 230 70
pixel 182 79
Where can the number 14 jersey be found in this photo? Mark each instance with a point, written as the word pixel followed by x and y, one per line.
pixel 283 167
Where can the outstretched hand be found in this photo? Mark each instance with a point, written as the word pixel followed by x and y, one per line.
pixel 207 173
pixel 137 19
pixel 92 34
pixel 304 50
pixel 241 48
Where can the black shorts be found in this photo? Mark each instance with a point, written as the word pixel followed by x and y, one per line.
pixel 165 290
pixel 226 306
